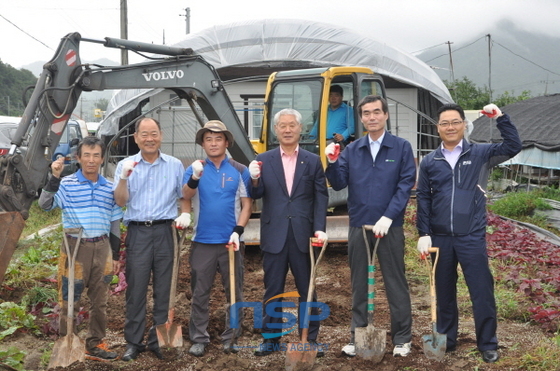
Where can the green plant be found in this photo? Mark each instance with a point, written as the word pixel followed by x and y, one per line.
pixel 39 219
pixel 517 204
pixel 14 317
pixel 39 294
pixel 13 357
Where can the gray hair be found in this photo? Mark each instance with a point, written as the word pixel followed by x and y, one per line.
pixel 287 111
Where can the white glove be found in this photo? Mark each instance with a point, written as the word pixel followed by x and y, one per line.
pixel 332 151
pixel 183 221
pixel 381 228
pixel 491 110
pixel 127 169
pixel 197 169
pixel 424 244
pixel 255 169
pixel 321 236
pixel 234 239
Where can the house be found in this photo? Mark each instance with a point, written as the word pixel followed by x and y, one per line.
pixel 538 122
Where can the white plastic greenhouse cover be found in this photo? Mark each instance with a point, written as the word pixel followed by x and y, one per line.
pixel 255 42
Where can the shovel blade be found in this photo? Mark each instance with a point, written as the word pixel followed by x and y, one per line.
pixel 435 345
pixel 300 357
pixel 370 343
pixel 67 350
pixel 169 335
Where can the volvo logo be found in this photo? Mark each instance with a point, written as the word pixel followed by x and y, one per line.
pixel 165 75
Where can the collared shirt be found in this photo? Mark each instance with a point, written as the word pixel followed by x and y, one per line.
pixel 217 202
pixel 289 164
pixel 374 145
pixel 153 188
pixel 452 156
pixel 87 205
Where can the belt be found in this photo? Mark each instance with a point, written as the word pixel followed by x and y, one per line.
pixel 149 223
pixel 92 239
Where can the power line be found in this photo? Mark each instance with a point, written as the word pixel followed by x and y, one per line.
pixel 525 59
pixel 34 38
pixel 456 50
pixel 428 48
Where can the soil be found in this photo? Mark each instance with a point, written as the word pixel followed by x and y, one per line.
pixel 333 288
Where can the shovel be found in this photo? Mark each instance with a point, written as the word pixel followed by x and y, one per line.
pixel 231 254
pixel 170 334
pixel 370 342
pixel 436 343
pixel 300 356
pixel 69 348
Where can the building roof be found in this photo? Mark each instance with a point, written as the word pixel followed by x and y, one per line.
pixel 537 120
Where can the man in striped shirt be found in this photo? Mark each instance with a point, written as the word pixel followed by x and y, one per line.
pixel 149 184
pixel 86 200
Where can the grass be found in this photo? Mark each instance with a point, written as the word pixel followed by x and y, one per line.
pixel 39 219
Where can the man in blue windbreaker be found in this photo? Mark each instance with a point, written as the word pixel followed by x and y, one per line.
pixel 452 216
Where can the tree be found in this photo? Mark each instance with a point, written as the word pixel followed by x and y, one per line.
pixel 13 82
pixel 470 97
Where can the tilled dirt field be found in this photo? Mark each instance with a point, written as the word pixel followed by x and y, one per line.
pixel 333 288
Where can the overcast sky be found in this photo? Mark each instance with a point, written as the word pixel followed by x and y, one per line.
pixel 30 30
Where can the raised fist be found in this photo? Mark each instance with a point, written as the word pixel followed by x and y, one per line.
pixel 255 169
pixel 332 151
pixel 491 110
pixel 127 169
pixel 197 169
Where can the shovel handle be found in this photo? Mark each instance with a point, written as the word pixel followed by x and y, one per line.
pixel 432 275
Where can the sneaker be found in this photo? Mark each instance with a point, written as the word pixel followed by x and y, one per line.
pixel 349 350
pixel 101 353
pixel 197 349
pixel 401 350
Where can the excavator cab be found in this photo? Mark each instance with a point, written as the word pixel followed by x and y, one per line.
pixel 307 91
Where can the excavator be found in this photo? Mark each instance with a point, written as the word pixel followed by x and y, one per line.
pixel 56 94
pixel 190 77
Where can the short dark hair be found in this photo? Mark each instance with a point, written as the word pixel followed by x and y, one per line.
pixel 370 99
pixel 336 89
pixel 137 124
pixel 91 141
pixel 451 107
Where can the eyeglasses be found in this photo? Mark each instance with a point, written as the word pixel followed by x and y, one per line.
pixel 445 124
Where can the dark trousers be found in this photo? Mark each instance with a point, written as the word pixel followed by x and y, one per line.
pixel 470 252
pixel 275 268
pixel 390 255
pixel 149 251
pixel 205 260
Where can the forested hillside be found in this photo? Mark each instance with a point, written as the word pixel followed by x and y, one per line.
pixel 13 83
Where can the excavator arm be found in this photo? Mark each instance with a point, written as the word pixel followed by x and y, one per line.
pixel 56 94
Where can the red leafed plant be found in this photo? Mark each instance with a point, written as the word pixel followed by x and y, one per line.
pixel 529 264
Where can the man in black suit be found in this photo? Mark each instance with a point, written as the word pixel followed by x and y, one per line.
pixel 293 188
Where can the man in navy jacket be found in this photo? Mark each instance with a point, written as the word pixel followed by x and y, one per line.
pixel 379 171
pixel 452 216
pixel 292 185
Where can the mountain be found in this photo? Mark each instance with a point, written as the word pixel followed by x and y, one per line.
pixel 510 70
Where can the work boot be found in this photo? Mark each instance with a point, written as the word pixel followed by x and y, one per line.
pixel 101 353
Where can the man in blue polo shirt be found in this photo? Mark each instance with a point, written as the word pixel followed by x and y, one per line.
pixel 86 200
pixel 222 207
pixel 340 118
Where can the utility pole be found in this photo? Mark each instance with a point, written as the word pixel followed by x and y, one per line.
pixel 187 19
pixel 451 68
pixel 490 79
pixel 124 31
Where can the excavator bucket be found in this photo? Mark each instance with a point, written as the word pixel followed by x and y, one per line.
pixel 12 225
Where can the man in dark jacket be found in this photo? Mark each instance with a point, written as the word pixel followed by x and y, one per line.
pixel 452 216
pixel 379 171
pixel 292 185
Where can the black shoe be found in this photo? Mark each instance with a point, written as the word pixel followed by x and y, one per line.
pixel 314 345
pixel 267 347
pixel 157 352
pixel 490 356
pixel 451 348
pixel 101 353
pixel 131 353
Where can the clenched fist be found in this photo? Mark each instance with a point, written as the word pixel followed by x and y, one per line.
pixel 491 110
pixel 332 151
pixel 197 169
pixel 127 169
pixel 255 169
